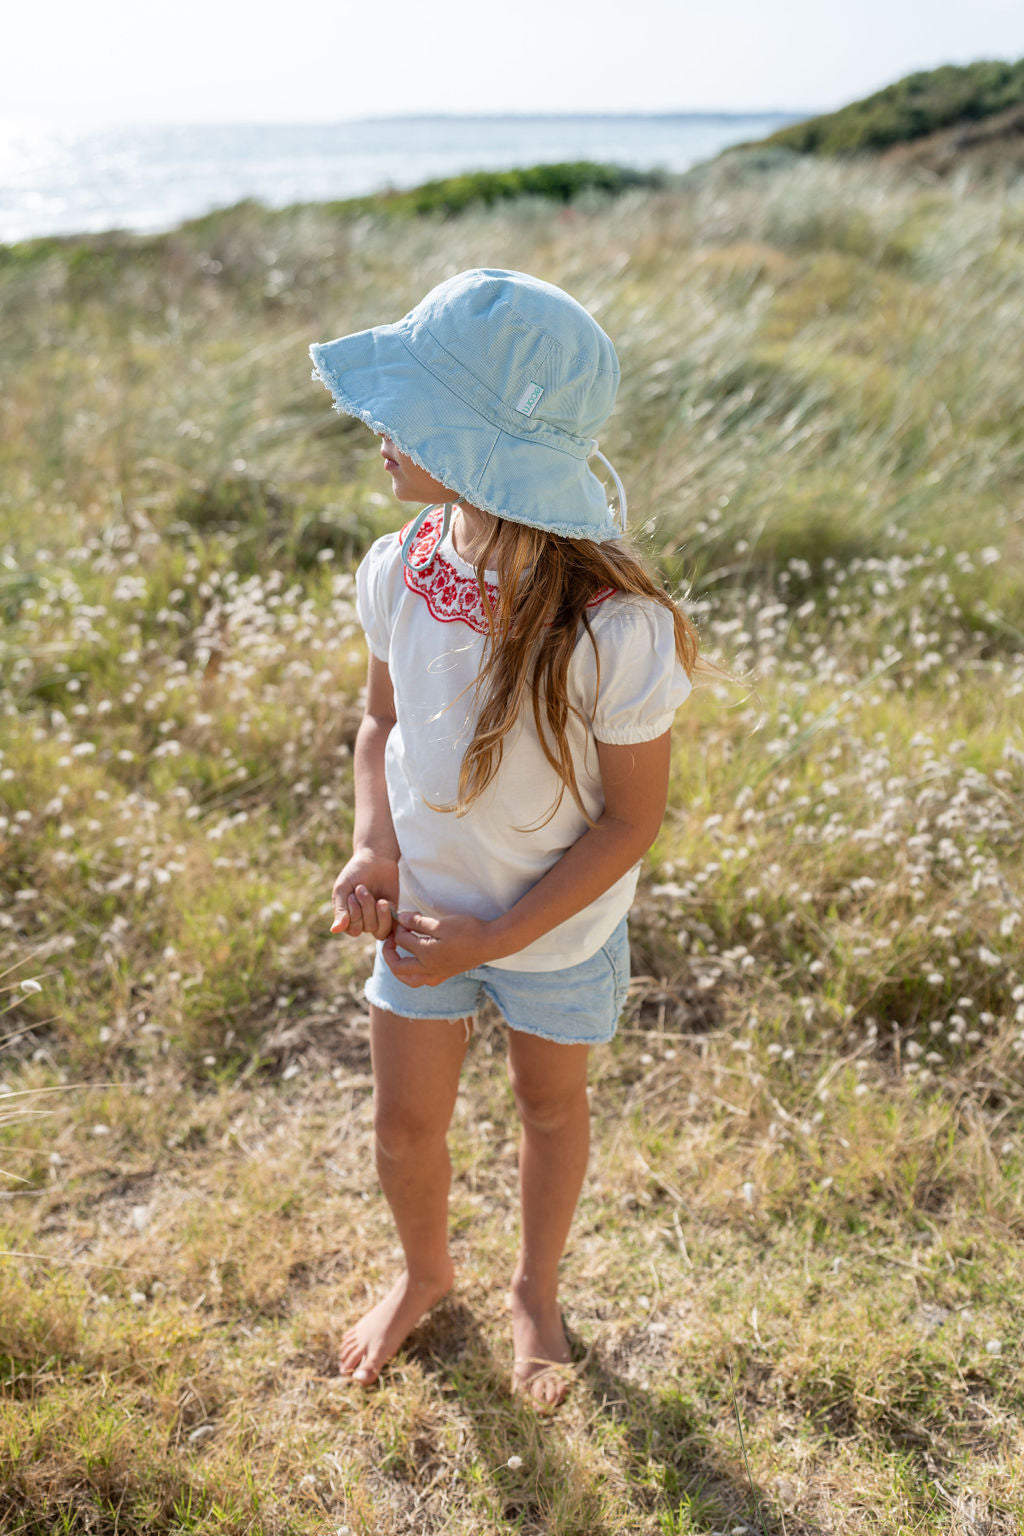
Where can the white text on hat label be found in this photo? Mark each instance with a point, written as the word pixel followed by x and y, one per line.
pixel 527 402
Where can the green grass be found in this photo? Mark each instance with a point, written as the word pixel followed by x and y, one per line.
pixel 561 182
pixel 804 1202
pixel 917 105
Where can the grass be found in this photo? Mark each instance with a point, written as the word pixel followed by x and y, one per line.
pixel 804 1203
pixel 562 182
pixel 911 108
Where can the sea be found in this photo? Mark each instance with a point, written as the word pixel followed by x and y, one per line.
pixel 146 178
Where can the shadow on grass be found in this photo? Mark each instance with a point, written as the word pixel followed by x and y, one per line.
pixel 676 1470
pixel 535 1479
pixel 681 1472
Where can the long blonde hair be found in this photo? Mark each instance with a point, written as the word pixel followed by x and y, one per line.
pixel 545 583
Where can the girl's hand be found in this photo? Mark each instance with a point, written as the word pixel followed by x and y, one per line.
pixel 438 947
pixel 364 896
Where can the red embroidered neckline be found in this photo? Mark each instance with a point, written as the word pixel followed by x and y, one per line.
pixel 453 598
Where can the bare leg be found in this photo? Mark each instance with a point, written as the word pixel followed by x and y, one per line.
pixel 550 1085
pixel 416 1065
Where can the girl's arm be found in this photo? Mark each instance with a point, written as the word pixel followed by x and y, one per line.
pixel 366 891
pixel 635 782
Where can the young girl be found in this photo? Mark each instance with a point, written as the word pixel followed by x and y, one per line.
pixel 511 767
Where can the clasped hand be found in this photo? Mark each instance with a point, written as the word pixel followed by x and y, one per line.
pixel 363 900
pixel 364 896
pixel 436 947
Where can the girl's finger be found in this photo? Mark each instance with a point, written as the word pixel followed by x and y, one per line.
pixel 415 922
pixel 410 939
pixel 355 915
pixel 401 966
pixel 340 921
pixel 367 908
pixel 383 918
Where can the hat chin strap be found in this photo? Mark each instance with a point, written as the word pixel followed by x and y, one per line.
pixel 620 489
pixel 414 532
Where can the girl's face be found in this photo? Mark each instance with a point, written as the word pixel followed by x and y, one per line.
pixel 408 481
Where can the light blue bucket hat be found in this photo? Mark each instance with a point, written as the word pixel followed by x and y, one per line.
pixel 496 384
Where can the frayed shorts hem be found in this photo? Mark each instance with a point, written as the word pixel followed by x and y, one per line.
pixel 579 1005
pixel 405 1012
pixel 456 1018
pixel 540 1034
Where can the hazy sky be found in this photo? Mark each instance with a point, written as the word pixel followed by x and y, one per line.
pixel 320 60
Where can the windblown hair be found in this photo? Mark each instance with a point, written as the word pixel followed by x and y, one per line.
pixel 545 583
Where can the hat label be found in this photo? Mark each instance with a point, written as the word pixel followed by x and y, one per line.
pixel 527 402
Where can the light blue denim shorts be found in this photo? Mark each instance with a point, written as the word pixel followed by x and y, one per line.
pixel 577 1006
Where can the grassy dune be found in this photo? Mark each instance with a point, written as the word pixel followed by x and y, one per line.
pixel 794 1281
pixel 912 108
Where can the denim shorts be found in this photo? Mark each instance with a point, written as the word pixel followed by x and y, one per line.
pixel 577 1006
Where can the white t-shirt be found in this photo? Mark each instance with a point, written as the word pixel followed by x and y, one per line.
pixel 429 628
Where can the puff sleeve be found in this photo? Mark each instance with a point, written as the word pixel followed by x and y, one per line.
pixel 375 580
pixel 642 681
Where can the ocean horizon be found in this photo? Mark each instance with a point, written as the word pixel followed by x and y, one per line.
pixel 148 178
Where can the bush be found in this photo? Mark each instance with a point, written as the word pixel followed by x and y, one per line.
pixel 909 109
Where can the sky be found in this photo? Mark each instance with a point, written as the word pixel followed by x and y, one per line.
pixel 85 62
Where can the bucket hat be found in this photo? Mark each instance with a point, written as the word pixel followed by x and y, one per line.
pixel 496 384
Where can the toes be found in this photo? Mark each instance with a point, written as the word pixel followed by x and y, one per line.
pixel 370 1366
pixel 546 1390
pixel 545 1387
pixel 351 1354
pixel 360 1361
pixel 360 1370
pixel 555 1389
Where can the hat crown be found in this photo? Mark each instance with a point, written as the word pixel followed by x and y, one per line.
pixel 529 345
pixel 496 384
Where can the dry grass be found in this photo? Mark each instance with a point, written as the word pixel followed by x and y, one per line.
pixel 804 1203
pixel 842 1279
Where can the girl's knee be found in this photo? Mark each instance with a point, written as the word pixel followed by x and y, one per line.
pixel 404 1128
pixel 545 1108
pixel 549 1080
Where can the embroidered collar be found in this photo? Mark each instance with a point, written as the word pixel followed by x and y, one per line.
pixel 453 596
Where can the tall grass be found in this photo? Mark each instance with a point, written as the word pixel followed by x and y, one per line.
pixel 805 1192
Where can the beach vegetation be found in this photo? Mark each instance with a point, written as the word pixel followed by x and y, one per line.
pixel 910 108
pixel 561 182
pixel 793 1285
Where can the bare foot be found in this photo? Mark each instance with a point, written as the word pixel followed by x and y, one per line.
pixel 369 1344
pixel 541 1361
